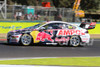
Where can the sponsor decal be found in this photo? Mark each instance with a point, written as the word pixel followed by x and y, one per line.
pixel 5 27
pixel 69 32
pixel 10 27
pixel 62 39
pixel 85 39
pixel 42 36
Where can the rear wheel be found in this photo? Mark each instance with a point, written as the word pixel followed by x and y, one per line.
pixel 26 40
pixel 75 41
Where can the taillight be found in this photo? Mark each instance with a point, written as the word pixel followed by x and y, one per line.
pixel 86 32
pixel 93 23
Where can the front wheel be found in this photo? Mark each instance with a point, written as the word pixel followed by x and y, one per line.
pixel 75 41
pixel 26 40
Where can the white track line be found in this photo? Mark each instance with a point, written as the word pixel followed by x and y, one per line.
pixel 25 58
pixel 1 59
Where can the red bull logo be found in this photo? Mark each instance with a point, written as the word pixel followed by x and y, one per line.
pixel 42 36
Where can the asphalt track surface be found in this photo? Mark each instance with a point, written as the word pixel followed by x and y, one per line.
pixel 13 51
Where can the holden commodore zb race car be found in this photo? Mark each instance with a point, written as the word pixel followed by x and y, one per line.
pixel 50 33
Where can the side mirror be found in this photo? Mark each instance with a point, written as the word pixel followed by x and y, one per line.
pixel 42 29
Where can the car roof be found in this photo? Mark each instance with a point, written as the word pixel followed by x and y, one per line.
pixel 58 22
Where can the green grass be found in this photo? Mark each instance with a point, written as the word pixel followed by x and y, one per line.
pixel 66 61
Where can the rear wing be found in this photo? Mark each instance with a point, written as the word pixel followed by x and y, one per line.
pixel 87 25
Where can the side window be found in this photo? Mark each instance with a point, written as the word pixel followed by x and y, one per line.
pixel 67 26
pixel 52 26
pixel 58 26
pixel 64 26
pixel 49 26
pixel 71 27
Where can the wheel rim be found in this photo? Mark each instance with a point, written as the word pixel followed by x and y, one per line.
pixel 75 41
pixel 26 39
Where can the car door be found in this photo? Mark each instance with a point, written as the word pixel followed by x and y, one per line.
pixel 48 32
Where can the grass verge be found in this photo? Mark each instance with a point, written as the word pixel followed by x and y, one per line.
pixel 65 61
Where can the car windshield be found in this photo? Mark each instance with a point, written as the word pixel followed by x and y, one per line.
pixel 35 26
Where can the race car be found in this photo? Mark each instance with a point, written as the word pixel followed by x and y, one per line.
pixel 50 33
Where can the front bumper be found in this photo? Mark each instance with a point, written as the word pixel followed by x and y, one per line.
pixel 14 38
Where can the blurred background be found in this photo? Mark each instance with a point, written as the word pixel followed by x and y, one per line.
pixel 49 10
pixel 19 14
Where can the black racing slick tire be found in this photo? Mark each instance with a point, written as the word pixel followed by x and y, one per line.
pixel 75 41
pixel 26 40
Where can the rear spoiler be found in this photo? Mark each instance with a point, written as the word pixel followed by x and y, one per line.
pixel 87 25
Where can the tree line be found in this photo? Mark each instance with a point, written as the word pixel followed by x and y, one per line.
pixel 84 5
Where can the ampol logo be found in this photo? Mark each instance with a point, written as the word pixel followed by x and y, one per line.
pixel 69 32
